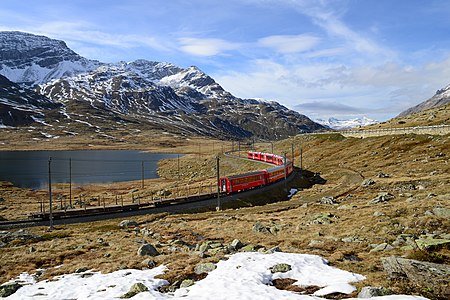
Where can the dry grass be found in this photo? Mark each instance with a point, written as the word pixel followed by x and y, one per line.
pixel 418 168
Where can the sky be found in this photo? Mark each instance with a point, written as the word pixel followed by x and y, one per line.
pixel 340 58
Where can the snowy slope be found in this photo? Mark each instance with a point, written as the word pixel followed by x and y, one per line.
pixel 442 97
pixel 242 276
pixel 33 59
pixel 345 123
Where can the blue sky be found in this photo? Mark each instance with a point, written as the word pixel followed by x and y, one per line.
pixel 341 58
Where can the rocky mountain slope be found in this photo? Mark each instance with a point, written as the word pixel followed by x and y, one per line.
pixel 442 97
pixel 158 95
pixel 21 106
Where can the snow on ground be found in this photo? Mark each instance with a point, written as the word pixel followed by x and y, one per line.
pixel 243 276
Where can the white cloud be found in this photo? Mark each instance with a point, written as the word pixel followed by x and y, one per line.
pixel 289 43
pixel 207 46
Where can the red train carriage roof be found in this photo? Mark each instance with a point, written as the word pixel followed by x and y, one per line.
pixel 245 175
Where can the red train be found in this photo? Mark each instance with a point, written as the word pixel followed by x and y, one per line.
pixel 241 182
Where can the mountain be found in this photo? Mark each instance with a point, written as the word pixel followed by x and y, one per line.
pixel 158 95
pixel 442 97
pixel 345 124
pixel 21 106
pixel 34 59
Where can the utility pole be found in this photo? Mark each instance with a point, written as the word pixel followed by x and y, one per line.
pixel 198 151
pixel 301 160
pixel 292 154
pixel 142 173
pixel 239 148
pixel 178 164
pixel 285 173
pixel 218 182
pixel 70 182
pixel 272 147
pixel 50 193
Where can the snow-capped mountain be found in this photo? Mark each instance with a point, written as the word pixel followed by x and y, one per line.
pixel 442 97
pixel 33 59
pixel 346 123
pixel 160 95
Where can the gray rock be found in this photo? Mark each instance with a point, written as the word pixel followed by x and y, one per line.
pixel 424 274
pixel 367 182
pixel 347 206
pixel 432 243
pixel 81 270
pixel 249 248
pixel 383 175
pixel 134 290
pixel 187 283
pixel 315 244
pixel 259 227
pixel 236 244
pixel 147 249
pixel 442 212
pixel 324 218
pixel 128 224
pixel 8 289
pixel 382 197
pixel 280 268
pixel 328 200
pixel 369 292
pixel 204 268
pixel 273 250
pixel 382 247
pixel 149 263
pixel 378 214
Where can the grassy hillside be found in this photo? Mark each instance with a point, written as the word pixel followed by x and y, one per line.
pixel 413 169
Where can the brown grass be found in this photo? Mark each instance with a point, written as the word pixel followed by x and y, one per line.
pixel 418 178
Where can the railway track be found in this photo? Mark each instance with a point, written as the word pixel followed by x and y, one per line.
pixel 193 203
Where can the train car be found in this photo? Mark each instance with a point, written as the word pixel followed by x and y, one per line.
pixel 274 174
pixel 254 155
pixel 237 183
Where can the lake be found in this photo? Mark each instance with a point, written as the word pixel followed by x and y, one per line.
pixel 29 169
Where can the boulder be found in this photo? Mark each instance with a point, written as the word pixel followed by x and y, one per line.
pixel 8 289
pixel 432 244
pixel 367 182
pixel 236 244
pixel 134 290
pixel 204 268
pixel 442 212
pixel 369 292
pixel 187 283
pixel 128 224
pixel 280 268
pixel 147 250
pixel 382 247
pixel 382 197
pixel 328 200
pixel 149 263
pixel 424 274
pixel 259 227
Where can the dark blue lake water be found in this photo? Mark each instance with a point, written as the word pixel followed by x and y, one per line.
pixel 29 169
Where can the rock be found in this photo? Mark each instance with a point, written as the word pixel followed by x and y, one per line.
pixel 324 218
pixel 204 268
pixel 249 248
pixel 432 244
pixel 383 175
pixel 315 244
pixel 275 228
pixel 81 270
pixel 369 292
pixel 378 214
pixel 351 239
pixel 147 249
pixel 347 206
pixel 441 212
pixel 367 182
pixel 382 197
pixel 259 227
pixel 273 250
pixel 280 268
pixel 134 290
pixel 8 289
pixel 236 244
pixel 423 274
pixel 328 200
pixel 128 224
pixel 382 247
pixel 187 283
pixel 149 263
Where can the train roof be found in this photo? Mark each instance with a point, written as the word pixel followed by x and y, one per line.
pixel 244 175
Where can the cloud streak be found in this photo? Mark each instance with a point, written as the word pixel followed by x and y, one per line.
pixel 289 43
pixel 206 46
